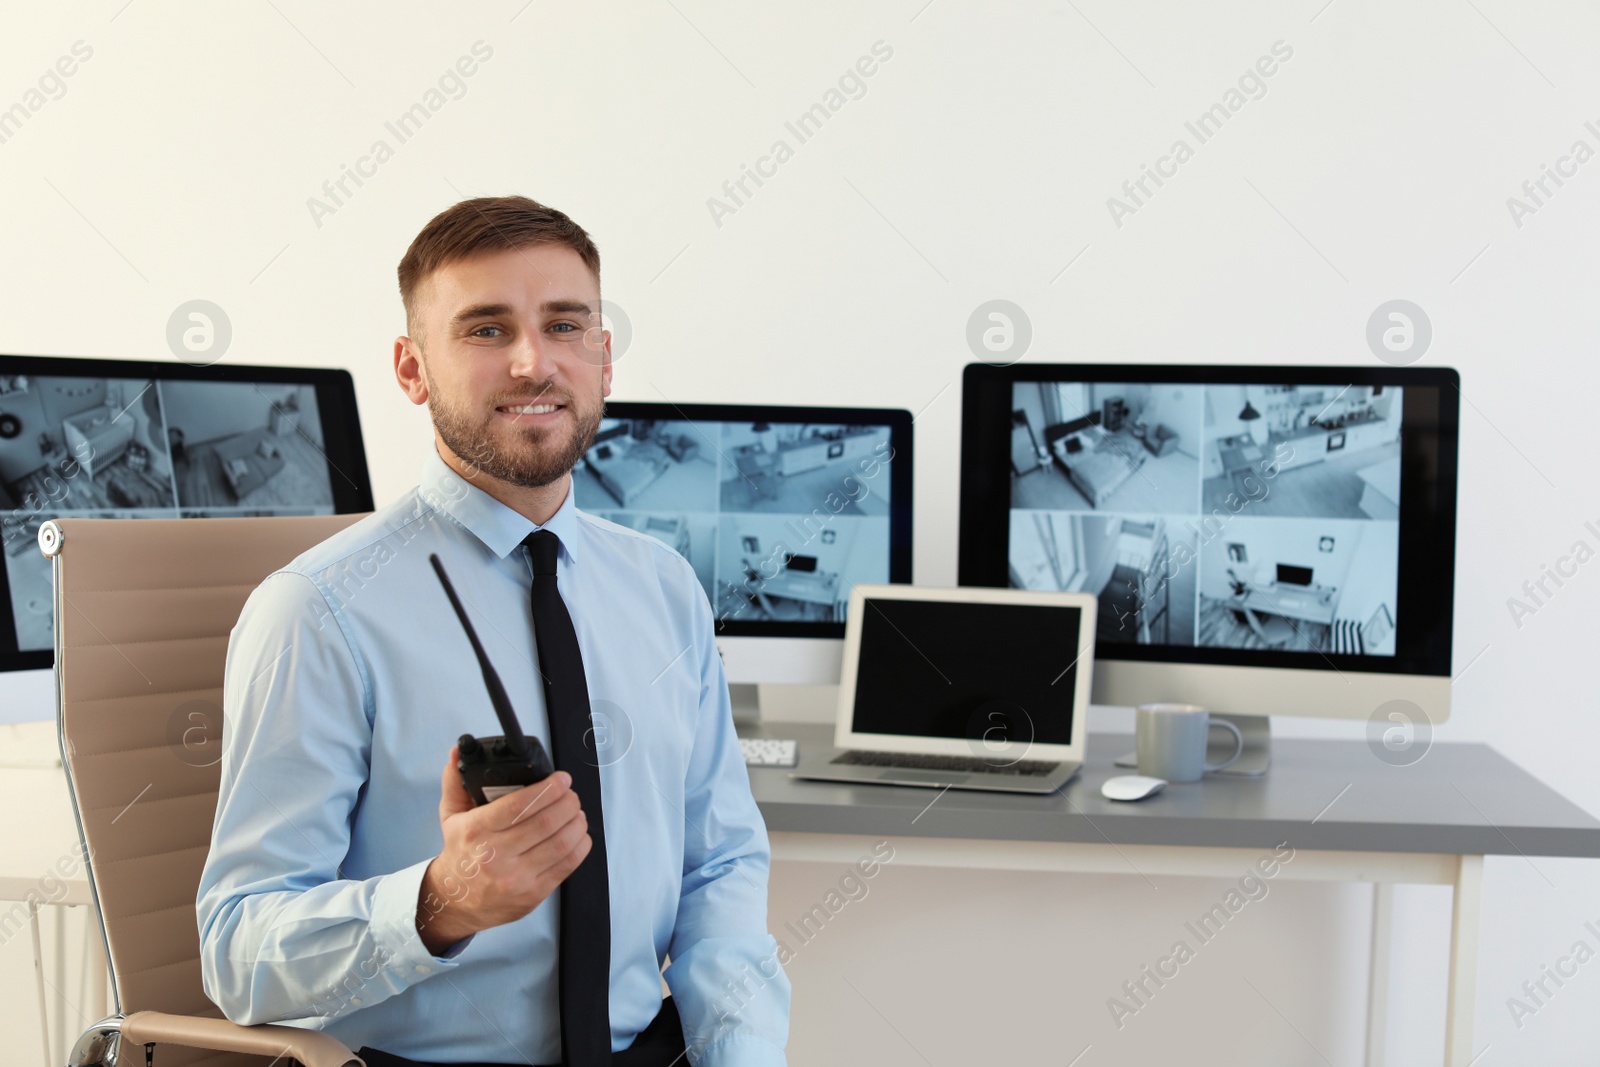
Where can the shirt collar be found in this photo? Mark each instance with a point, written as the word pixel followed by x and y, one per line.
pixel 499 527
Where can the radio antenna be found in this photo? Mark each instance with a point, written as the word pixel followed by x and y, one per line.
pixel 517 744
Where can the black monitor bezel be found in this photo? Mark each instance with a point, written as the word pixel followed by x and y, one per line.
pixel 900 479
pixel 336 406
pixel 1425 600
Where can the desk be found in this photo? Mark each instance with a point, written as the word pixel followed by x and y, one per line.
pixel 759 468
pixel 1291 602
pixel 811 587
pixel 1349 817
pixel 1240 459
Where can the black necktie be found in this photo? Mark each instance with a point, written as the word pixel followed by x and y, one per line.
pixel 584 965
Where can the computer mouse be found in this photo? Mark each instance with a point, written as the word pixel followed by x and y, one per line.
pixel 1132 787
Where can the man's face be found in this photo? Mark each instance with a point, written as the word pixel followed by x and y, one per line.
pixel 510 361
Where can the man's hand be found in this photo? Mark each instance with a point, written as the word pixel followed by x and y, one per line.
pixel 501 860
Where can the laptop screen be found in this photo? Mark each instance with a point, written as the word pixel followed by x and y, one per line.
pixel 995 672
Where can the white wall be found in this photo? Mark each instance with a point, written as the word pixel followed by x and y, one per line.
pixel 1371 577
pixel 211 411
pixel 977 165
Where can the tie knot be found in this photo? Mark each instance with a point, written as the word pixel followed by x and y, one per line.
pixel 542 546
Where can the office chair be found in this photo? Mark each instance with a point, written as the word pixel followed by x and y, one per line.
pixel 1274 632
pixel 143 609
pixel 753 581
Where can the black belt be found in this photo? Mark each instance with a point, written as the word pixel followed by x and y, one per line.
pixel 658 1045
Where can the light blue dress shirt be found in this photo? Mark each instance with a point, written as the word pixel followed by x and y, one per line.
pixel 348 679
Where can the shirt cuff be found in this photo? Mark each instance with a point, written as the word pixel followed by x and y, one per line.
pixel 394 928
pixel 741 1050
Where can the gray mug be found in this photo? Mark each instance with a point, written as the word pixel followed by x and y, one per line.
pixel 1171 741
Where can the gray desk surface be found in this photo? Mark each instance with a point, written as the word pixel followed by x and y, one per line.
pixel 1335 795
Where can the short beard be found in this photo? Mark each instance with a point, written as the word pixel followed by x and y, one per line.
pixel 535 468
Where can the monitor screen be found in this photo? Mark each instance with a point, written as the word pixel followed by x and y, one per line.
pixel 121 439
pixel 780 510
pixel 1289 574
pixel 926 669
pixel 1227 515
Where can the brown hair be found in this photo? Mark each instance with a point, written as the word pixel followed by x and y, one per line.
pixel 488 224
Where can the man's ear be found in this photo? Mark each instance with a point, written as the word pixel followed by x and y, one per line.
pixel 408 369
pixel 605 368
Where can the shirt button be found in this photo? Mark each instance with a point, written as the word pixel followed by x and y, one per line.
pixel 423 968
pixel 356 1001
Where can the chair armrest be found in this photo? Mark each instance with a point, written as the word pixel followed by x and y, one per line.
pixel 312 1048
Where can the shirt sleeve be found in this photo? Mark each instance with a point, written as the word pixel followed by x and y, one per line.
pixel 726 978
pixel 283 936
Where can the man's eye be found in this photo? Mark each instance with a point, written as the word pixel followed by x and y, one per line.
pixel 487 331
pixel 565 327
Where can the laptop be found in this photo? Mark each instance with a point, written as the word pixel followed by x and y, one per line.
pixel 961 689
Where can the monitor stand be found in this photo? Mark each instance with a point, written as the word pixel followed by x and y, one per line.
pixel 746 701
pixel 757 707
pixel 1252 762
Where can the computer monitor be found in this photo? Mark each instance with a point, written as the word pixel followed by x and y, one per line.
pixel 1254 534
pixel 780 510
pixel 1289 574
pixel 124 439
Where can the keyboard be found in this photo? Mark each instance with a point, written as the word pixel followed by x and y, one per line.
pixel 961 764
pixel 769 751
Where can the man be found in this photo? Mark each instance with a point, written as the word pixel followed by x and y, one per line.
pixel 530 930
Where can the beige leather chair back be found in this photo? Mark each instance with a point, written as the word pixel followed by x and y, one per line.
pixel 143 610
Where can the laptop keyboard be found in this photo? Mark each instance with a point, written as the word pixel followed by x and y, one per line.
pixel 960 764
